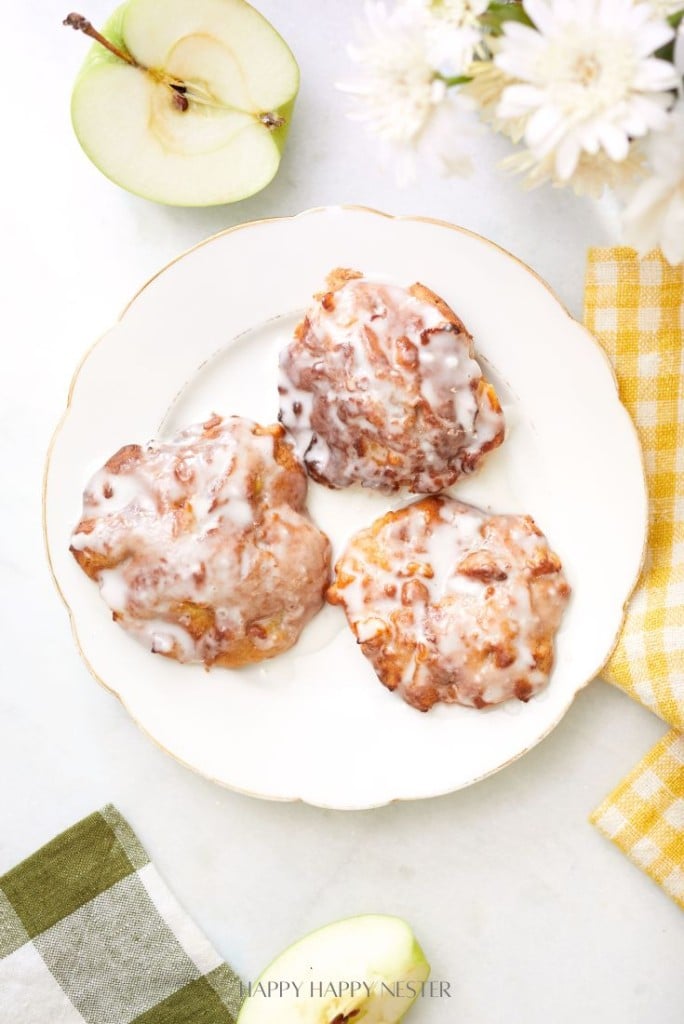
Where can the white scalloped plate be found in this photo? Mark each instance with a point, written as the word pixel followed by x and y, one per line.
pixel 315 724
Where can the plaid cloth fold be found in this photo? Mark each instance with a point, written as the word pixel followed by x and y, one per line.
pixel 636 310
pixel 90 933
pixel 644 816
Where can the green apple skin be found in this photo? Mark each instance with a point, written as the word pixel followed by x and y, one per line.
pixel 224 187
pixel 371 948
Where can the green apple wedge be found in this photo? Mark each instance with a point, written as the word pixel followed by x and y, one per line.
pixel 363 969
pixel 186 103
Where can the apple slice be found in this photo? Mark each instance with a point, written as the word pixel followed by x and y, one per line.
pixel 367 968
pixel 186 103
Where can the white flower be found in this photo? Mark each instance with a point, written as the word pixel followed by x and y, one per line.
pixel 454 32
pixel 655 215
pixel 399 93
pixel 398 89
pixel 587 80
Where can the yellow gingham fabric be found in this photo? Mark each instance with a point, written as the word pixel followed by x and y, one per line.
pixel 644 816
pixel 635 307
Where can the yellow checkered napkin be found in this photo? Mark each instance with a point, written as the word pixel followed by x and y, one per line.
pixel 644 816
pixel 636 310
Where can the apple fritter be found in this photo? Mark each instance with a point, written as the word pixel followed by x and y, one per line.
pixel 379 386
pixel 451 604
pixel 202 546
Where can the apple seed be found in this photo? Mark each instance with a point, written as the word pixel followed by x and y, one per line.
pixel 180 100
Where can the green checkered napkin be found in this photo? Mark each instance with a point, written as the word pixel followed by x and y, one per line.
pixel 89 932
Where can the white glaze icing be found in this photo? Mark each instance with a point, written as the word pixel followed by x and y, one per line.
pixel 380 387
pixel 450 604
pixel 201 545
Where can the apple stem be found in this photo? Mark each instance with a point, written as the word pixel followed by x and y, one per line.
pixel 81 24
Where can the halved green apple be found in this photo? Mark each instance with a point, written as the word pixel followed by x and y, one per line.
pixel 190 104
pixel 366 969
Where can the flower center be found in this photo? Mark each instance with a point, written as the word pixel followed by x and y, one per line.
pixel 586 74
pixel 587 69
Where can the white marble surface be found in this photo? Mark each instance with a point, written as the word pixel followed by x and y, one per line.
pixel 520 904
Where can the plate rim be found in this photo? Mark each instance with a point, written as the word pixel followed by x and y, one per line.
pixel 350 207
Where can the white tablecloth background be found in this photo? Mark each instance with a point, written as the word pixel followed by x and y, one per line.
pixel 519 903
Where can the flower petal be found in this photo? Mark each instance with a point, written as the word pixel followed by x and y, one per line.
pixel 655 75
pixel 590 134
pixel 523 34
pixel 544 129
pixel 614 141
pixel 647 113
pixel 567 157
pixel 518 63
pixel 518 100
pixel 541 14
pixel 652 36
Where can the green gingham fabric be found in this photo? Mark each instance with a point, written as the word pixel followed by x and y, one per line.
pixel 90 933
